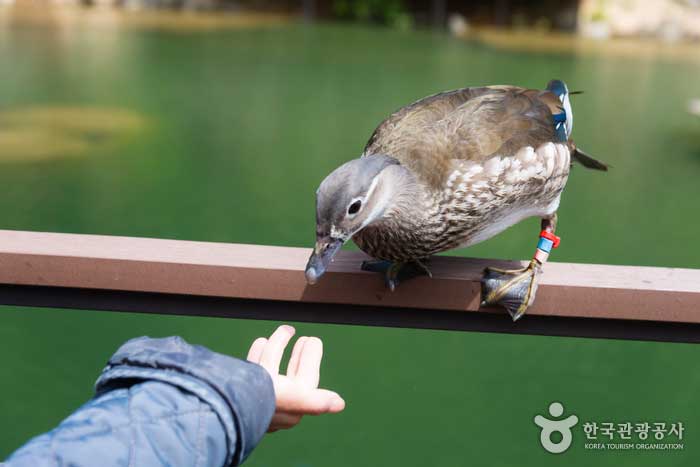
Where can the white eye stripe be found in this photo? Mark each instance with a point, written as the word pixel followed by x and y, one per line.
pixel 370 190
pixel 372 186
pixel 379 204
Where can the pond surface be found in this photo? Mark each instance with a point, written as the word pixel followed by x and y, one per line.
pixel 224 136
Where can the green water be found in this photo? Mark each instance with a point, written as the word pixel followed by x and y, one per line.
pixel 238 128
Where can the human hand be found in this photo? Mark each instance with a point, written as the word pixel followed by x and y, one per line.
pixel 297 392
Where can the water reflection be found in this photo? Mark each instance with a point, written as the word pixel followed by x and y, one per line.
pixel 37 133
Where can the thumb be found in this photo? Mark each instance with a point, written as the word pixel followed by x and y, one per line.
pixel 311 402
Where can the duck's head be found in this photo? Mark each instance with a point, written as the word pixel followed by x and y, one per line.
pixel 349 199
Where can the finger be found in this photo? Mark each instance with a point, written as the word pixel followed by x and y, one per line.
pixel 256 349
pixel 272 354
pixel 283 420
pixel 293 365
pixel 309 371
pixel 313 402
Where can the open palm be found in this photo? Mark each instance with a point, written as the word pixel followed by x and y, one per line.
pixel 296 393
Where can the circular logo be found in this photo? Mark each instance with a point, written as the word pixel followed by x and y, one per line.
pixel 563 426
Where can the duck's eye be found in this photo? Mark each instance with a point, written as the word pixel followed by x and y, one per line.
pixel 355 207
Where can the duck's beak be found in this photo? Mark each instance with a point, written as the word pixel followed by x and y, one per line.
pixel 323 254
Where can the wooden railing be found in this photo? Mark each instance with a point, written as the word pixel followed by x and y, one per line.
pixel 263 282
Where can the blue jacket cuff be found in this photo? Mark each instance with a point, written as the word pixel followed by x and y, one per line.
pixel 240 392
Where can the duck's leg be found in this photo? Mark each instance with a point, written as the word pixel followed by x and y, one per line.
pixel 515 289
pixel 396 272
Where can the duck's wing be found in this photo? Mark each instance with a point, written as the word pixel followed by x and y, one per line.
pixel 471 124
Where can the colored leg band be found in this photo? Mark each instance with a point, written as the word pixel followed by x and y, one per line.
pixel 541 256
pixel 550 236
pixel 544 246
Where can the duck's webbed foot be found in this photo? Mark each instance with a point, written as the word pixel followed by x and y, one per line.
pixel 396 272
pixel 515 289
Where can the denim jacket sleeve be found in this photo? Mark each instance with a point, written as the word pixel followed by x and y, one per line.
pixel 162 402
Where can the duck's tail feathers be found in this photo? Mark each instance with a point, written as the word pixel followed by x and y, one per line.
pixel 588 161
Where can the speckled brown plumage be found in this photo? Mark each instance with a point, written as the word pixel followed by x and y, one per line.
pixel 483 159
pixel 470 124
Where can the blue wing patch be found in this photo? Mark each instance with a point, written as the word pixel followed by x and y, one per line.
pixel 563 121
pixel 560 127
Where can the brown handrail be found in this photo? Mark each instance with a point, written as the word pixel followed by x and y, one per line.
pixel 251 272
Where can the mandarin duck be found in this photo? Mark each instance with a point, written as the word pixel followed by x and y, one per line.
pixel 448 171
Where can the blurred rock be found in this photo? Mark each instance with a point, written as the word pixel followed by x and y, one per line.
pixel 694 107
pixel 457 25
pixel 669 20
pixel 596 29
